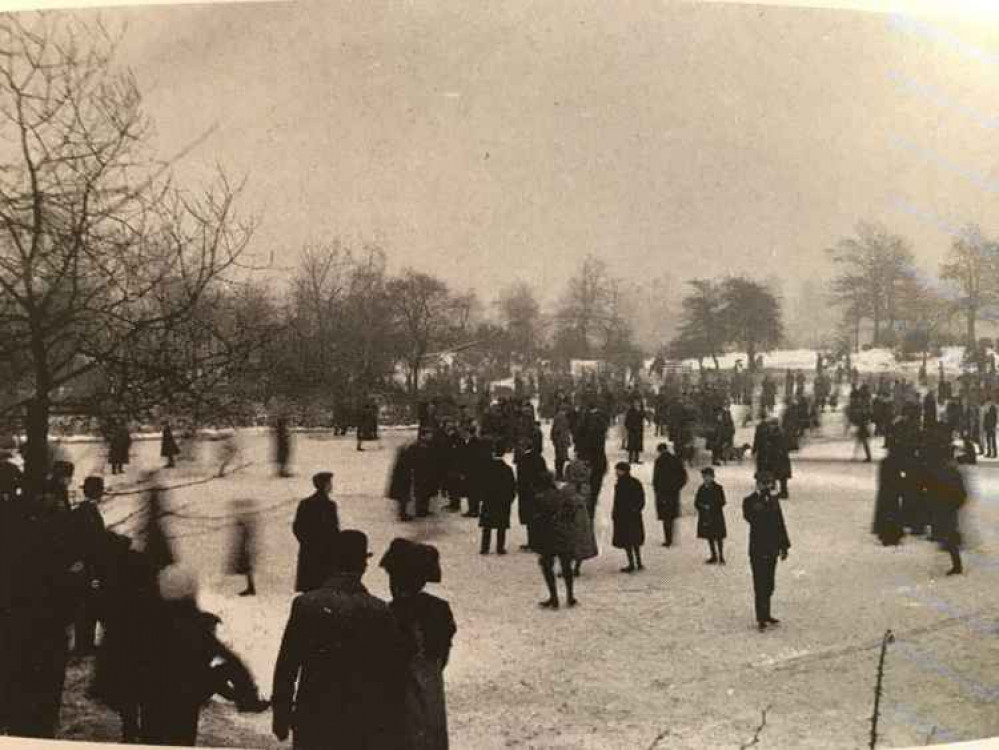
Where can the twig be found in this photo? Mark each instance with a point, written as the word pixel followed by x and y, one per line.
pixel 889 637
pixel 659 738
pixel 758 732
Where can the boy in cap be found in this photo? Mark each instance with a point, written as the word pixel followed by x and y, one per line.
pixel 710 502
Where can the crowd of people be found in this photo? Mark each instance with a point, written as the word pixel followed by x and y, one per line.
pixel 346 655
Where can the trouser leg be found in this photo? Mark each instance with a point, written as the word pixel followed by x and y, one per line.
pixel 486 541
pixel 547 563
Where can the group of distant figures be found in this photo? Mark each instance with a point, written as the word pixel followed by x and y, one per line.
pixel 353 670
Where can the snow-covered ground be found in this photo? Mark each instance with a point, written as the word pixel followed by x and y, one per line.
pixel 871 361
pixel 670 653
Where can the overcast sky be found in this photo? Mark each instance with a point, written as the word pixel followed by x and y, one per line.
pixel 487 142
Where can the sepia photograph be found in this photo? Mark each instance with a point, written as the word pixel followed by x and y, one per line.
pixel 532 375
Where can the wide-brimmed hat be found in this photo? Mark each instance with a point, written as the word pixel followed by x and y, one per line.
pixel 407 557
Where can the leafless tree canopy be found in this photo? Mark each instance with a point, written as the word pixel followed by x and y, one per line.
pixel 103 261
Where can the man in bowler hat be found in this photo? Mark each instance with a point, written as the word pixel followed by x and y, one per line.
pixel 340 675
pixel 768 540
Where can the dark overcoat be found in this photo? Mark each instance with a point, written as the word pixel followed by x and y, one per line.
pixel 767 531
pixel 316 526
pixel 669 476
pixel 629 501
pixel 498 491
pixel 710 502
pixel 634 424
pixel 428 625
pixel 530 466
pixel 168 444
pixel 340 675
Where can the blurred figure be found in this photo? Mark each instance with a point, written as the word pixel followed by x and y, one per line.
pixel 182 647
pixel 316 527
pixel 428 623
pixel 119 448
pixel 168 446
pixel 948 496
pixel 228 452
pixel 243 555
pixel 156 543
pixel 282 447
pixel 11 477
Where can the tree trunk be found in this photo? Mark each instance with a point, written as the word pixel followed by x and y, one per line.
pixel 972 315
pixel 714 357
pixel 36 459
pixel 751 355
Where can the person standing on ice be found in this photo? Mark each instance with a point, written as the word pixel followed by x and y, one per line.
pixel 168 446
pixel 710 504
pixel 989 421
pixel 629 529
pixel 428 624
pixel 669 476
pixel 499 488
pixel 634 425
pixel 768 540
pixel 341 672
pixel 317 528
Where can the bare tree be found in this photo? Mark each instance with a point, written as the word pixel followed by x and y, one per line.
pixel 972 266
pixel 520 316
pixel 585 308
pixel 876 269
pixel 425 315
pixel 99 253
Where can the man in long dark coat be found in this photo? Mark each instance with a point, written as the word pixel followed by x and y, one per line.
pixel 888 504
pixel 316 527
pixel 634 425
pixel 530 466
pixel 629 529
pixel 768 540
pixel 498 488
pixel 339 680
pixel 561 437
pixel 669 476
pixel 989 421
